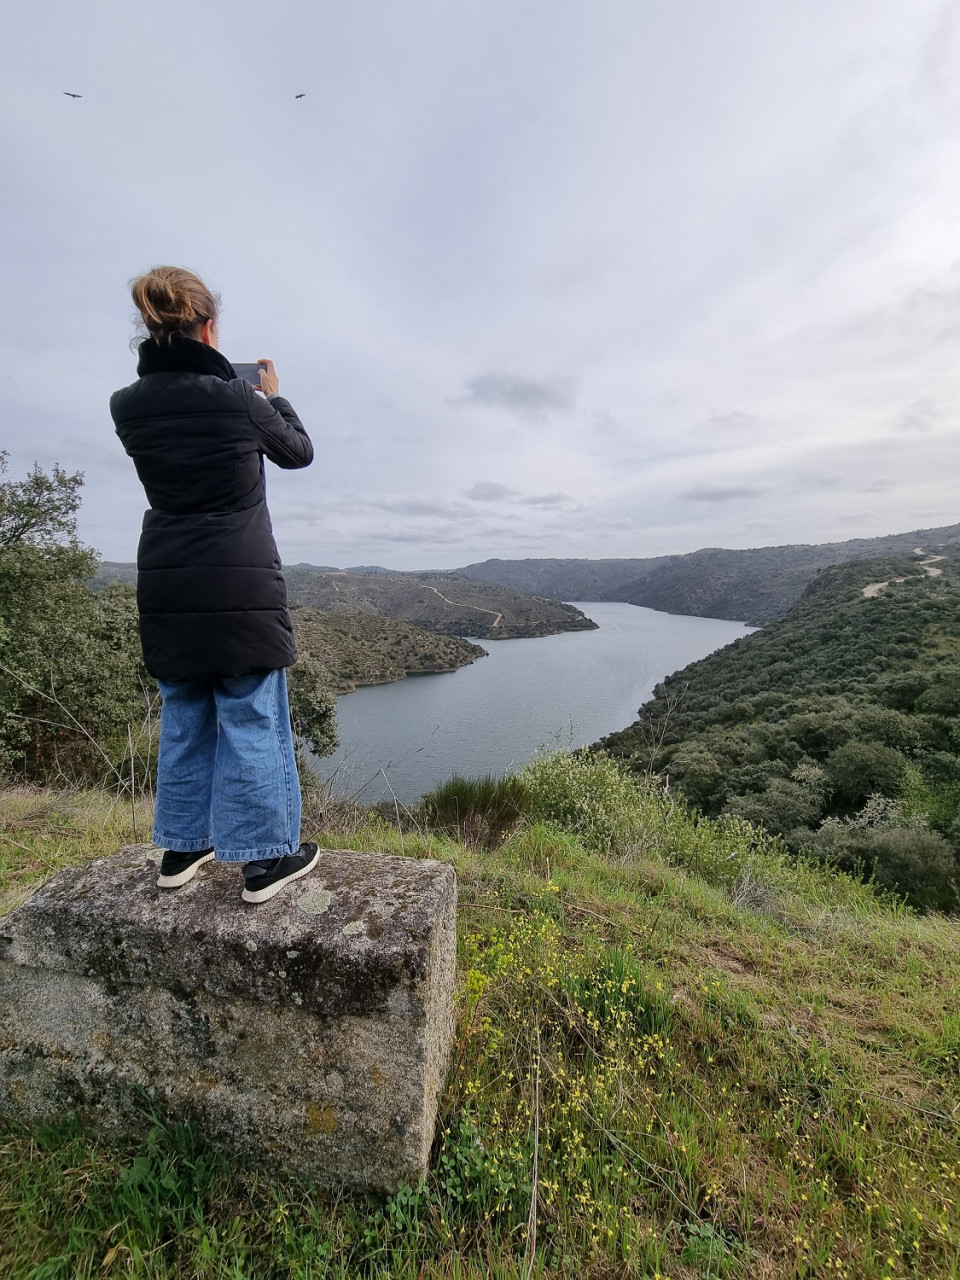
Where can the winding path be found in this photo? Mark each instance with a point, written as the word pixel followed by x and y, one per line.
pixel 497 616
pixel 874 588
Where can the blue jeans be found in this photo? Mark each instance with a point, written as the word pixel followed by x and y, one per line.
pixel 227 774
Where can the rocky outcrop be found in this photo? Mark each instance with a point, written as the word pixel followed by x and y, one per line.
pixel 310 1033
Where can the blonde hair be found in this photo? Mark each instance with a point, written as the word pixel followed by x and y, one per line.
pixel 172 300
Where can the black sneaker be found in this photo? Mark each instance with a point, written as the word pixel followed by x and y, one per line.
pixel 263 879
pixel 177 868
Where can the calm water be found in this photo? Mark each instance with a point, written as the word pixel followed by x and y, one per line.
pixel 408 736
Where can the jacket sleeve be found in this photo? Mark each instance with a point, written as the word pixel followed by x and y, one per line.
pixel 280 432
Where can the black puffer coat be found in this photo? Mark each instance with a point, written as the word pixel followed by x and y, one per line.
pixel 210 587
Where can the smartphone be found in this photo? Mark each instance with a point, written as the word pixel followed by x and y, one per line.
pixel 249 372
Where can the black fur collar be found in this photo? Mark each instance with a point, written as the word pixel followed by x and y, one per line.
pixel 183 355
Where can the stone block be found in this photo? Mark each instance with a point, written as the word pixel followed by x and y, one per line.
pixel 309 1033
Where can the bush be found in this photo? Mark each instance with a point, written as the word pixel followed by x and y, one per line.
pixel 71 676
pixel 477 810
pixel 587 793
pixel 907 860
pixel 783 806
pixel 918 864
pixel 861 769
pixel 701 775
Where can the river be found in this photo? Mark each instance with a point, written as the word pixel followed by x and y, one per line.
pixel 404 738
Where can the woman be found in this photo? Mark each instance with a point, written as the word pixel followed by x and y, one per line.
pixel 214 623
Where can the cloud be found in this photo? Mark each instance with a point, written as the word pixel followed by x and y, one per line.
pixel 558 499
pixel 719 493
pixel 521 395
pixel 489 491
pixel 420 507
pixel 918 418
pixel 735 421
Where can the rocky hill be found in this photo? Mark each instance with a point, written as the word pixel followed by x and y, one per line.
pixel 448 604
pixel 355 648
pixel 755 586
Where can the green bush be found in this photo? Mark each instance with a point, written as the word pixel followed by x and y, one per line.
pixel 784 804
pixel 861 769
pixel 917 864
pixel 477 810
pixel 896 855
pixel 587 793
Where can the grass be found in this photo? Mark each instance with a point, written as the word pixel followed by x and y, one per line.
pixel 677 1053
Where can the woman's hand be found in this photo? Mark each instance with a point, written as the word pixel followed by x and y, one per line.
pixel 269 382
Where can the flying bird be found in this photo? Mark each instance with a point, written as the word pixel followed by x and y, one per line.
pixel 299 95
pixel 68 94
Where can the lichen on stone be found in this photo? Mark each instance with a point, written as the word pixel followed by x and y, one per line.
pixel 314 903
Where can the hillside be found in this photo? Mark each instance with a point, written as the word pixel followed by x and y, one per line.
pixel 676 1054
pixel 447 604
pixel 835 727
pixel 754 586
pixel 355 649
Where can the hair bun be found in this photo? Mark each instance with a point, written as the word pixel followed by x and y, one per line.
pixel 172 300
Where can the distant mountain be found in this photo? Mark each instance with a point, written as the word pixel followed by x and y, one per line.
pixel 113 571
pixel 756 586
pixel 565 579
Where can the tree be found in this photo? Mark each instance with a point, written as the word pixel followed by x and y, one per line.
pixel 313 708
pixel 40 511
pixel 71 677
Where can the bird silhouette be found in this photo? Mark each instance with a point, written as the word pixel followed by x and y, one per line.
pixel 299 95
pixel 68 94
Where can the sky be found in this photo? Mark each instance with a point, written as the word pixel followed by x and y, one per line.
pixel 541 277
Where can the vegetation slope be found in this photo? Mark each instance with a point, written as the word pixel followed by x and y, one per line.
pixel 362 648
pixel 835 727
pixel 677 1053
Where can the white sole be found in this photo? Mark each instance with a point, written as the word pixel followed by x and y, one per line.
pixel 263 895
pixel 174 882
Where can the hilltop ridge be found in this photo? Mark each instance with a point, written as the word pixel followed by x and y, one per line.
pixel 756 585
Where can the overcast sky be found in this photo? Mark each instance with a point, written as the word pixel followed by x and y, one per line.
pixel 541 277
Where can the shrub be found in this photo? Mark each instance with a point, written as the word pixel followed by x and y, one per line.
pixel 781 807
pixel 918 864
pixel 587 793
pixel 477 810
pixel 71 676
pixel 701 775
pixel 914 863
pixel 859 769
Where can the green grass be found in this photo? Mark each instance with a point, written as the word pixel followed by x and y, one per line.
pixel 677 1053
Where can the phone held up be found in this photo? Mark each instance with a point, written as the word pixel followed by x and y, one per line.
pixel 249 372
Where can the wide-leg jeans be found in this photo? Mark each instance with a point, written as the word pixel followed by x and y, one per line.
pixel 227 773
